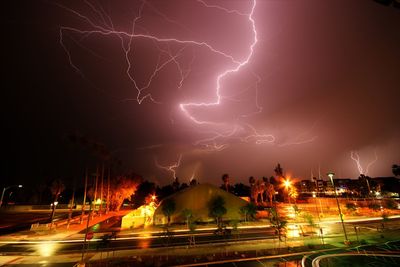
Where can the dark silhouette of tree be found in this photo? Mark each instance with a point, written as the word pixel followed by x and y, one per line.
pixel 273 181
pixel 252 180
pixel 241 189
pixel 225 180
pixel 278 171
pixel 176 184
pixel 168 208
pixel 144 189
pixel 396 169
pixel 249 211
pixel 193 182
pixel 165 191
pixel 183 186
pixel 216 209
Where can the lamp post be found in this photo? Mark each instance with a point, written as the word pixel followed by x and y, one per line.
pixel 346 241
pixel 287 185
pixel 4 190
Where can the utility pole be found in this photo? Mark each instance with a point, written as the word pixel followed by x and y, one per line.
pixel 71 207
pixel 86 232
pixel 346 240
pixel 108 190
pixel 95 188
pixel 84 196
pixel 101 189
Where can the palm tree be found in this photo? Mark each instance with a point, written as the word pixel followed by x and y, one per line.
pixel 270 192
pixel 225 180
pixel 168 208
pixel 216 209
pixel 278 171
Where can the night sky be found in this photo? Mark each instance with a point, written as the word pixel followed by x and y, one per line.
pixel 321 80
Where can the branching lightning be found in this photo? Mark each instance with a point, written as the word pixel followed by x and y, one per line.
pixel 185 106
pixel 170 168
pixel 356 157
pixel 171 53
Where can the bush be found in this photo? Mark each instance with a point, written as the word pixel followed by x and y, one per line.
pixel 391 204
pixel 350 206
pixel 374 206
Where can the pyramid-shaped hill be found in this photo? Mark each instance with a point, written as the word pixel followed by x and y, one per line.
pixel 197 198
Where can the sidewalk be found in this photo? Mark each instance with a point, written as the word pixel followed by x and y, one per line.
pixel 60 232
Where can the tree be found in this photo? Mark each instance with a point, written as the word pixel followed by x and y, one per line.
pixel 241 189
pixel 249 211
pixel 216 209
pixel 310 222
pixel 396 169
pixel 351 207
pixel 168 208
pixel 176 184
pixel 144 189
pixel 277 222
pixel 278 171
pixel 252 181
pixel 121 188
pixel 273 181
pixel 270 190
pixel 193 182
pixel 188 215
pixel 225 180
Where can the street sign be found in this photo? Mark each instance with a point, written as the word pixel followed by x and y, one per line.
pixel 89 235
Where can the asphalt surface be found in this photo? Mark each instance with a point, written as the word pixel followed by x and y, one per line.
pixel 391 247
pixel 134 242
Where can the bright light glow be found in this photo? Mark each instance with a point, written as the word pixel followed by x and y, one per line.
pixel 287 183
pixel 20 185
pixel 47 249
pixel 98 201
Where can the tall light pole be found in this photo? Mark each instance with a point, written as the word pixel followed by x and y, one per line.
pixel 331 174
pixel 287 183
pixel 4 190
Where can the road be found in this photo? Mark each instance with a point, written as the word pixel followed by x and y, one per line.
pixel 139 241
pixel 130 242
pixel 383 254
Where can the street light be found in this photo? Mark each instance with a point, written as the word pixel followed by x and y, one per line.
pixel 331 174
pixel 287 184
pixel 4 190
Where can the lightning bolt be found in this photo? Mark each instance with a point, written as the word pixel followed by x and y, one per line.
pixel 170 168
pixel 185 106
pixel 356 158
pixel 171 52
